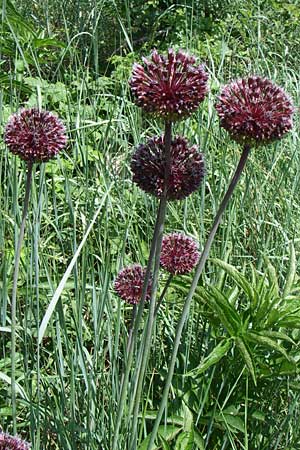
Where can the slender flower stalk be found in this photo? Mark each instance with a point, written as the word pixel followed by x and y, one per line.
pixel 164 291
pixel 137 322
pixel 156 242
pixel 187 304
pixel 14 295
pixel 145 349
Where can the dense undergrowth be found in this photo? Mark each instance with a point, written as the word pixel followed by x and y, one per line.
pixel 77 61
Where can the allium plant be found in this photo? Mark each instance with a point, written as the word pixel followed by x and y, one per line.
pixel 8 442
pixel 170 87
pixel 129 283
pixel 179 253
pixel 35 136
pixel 254 111
pixel 186 168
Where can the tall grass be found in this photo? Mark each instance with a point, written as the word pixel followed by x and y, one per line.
pixel 68 386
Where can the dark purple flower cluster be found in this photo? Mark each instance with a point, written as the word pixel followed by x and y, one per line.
pixel 255 110
pixel 179 253
pixel 8 442
pixel 186 171
pixel 171 87
pixel 129 284
pixel 34 135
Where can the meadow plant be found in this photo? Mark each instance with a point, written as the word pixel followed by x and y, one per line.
pixel 254 111
pixel 35 136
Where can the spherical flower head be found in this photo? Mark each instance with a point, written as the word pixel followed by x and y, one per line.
pixel 8 442
pixel 186 171
pixel 255 111
pixel 129 284
pixel 179 253
pixel 171 87
pixel 34 135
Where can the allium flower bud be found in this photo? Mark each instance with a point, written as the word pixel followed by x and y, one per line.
pixel 179 253
pixel 8 442
pixel 34 135
pixel 171 86
pixel 186 171
pixel 255 110
pixel 129 284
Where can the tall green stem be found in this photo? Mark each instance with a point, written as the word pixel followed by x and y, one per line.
pixel 146 344
pixel 14 297
pixel 154 244
pixel 191 292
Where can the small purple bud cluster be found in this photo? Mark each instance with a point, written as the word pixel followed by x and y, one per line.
pixel 34 135
pixel 171 87
pixel 186 171
pixel 8 442
pixel 179 253
pixel 129 284
pixel 255 110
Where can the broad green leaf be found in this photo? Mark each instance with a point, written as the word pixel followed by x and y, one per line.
pixel 215 356
pixel 168 433
pixel 276 334
pixel 198 440
pixel 290 277
pixel 231 421
pixel 258 415
pixel 164 443
pixel 173 420
pixel 267 342
pixel 239 278
pixel 246 356
pixel 226 313
pixel 188 419
pixel 185 441
pixel 272 276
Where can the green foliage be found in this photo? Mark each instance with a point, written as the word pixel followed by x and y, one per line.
pixel 75 58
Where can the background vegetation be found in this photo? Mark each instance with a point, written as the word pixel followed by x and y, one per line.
pixel 75 58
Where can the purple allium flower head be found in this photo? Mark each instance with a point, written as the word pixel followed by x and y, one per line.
pixel 34 135
pixel 8 442
pixel 129 284
pixel 171 86
pixel 179 253
pixel 186 172
pixel 255 110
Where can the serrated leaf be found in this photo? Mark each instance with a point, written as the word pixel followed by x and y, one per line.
pixel 215 356
pixel 246 356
